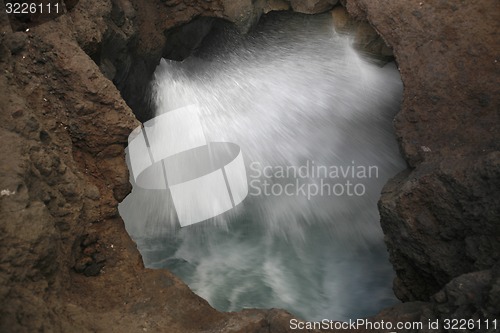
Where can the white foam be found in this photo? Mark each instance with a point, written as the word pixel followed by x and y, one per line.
pixel 283 99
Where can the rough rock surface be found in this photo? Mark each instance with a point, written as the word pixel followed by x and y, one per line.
pixel 245 13
pixel 66 261
pixel 312 6
pixel 441 217
pixel 366 39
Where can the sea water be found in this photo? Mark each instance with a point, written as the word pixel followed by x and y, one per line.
pixel 313 119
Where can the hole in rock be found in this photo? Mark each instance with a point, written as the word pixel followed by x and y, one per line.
pixel 312 118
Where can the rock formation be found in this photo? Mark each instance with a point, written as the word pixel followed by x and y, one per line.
pixel 67 263
pixel 441 216
pixel 68 82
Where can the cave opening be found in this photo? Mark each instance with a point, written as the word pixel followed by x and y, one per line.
pixel 310 101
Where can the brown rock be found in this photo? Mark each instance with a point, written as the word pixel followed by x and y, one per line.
pixel 366 38
pixel 82 263
pixel 440 217
pixel 312 6
pixel 369 41
pixel 16 42
pixel 58 191
pixel 341 18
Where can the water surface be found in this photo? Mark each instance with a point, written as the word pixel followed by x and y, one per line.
pixel 292 93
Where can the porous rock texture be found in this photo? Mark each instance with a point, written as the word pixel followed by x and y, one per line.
pixel 441 217
pixel 66 261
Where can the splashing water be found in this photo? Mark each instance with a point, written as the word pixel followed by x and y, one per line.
pixel 291 94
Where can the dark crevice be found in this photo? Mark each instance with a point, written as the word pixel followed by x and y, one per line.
pixel 132 72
